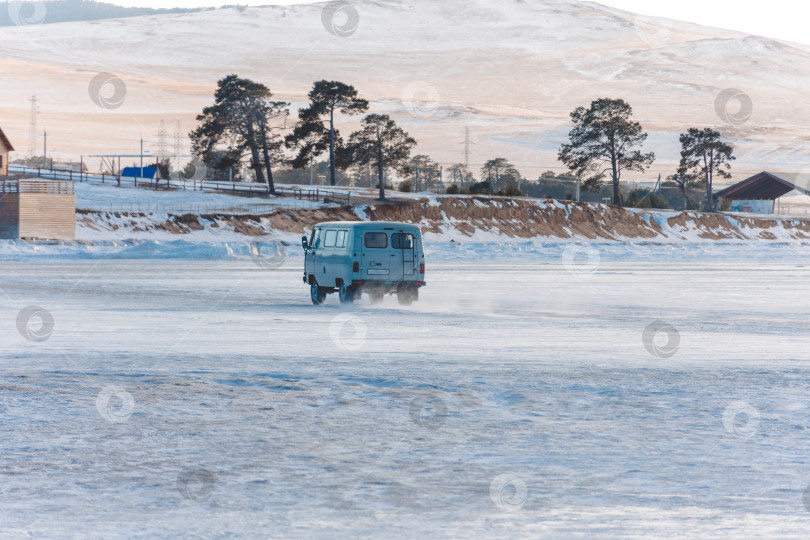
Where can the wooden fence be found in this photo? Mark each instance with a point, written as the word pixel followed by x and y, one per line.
pixel 236 188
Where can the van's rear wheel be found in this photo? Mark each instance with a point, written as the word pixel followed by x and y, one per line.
pixel 408 296
pixel 317 294
pixel 347 294
pixel 376 297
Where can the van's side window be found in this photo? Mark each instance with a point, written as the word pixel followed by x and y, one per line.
pixel 341 239
pixel 329 239
pixel 376 240
pixel 316 238
pixel 402 241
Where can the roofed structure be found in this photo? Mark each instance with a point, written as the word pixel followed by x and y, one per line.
pixel 139 172
pixel 5 148
pixel 37 210
pixel 4 140
pixel 767 186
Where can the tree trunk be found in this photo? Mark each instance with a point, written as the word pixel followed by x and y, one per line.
pixel 685 197
pixel 380 170
pixel 254 151
pixel 708 193
pixel 271 187
pixel 257 166
pixel 710 183
pixel 332 168
pixel 617 198
pixel 708 177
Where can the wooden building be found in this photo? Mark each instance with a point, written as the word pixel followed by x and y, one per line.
pixel 758 194
pixel 37 210
pixel 5 149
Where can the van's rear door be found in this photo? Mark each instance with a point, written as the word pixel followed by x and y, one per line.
pixel 404 266
pixel 376 265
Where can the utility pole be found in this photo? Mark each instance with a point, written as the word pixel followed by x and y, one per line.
pixel 578 181
pixel 142 157
pixel 441 179
pixel 416 187
pixel 45 150
pixel 466 144
pixel 467 148
pixel 310 170
pixel 489 179
pixel 162 143
pixel 32 128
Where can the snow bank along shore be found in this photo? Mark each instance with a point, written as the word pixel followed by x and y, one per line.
pixel 479 219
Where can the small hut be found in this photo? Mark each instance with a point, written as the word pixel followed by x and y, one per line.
pixel 37 210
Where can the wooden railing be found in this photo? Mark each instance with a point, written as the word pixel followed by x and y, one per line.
pixel 52 187
pixel 242 188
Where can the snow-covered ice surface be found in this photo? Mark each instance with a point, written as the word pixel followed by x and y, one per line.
pixel 588 391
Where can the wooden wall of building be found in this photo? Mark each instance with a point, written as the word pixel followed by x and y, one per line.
pixel 9 216
pixel 3 162
pixel 47 216
pixel 37 210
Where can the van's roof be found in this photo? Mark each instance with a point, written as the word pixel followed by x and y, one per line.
pixel 368 224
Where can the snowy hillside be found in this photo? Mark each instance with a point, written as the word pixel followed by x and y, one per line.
pixel 512 71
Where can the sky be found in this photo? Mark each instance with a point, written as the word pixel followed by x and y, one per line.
pixel 782 19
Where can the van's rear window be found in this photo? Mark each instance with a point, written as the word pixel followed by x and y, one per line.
pixel 376 240
pixel 402 241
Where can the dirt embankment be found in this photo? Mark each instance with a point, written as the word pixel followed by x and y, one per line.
pixel 461 217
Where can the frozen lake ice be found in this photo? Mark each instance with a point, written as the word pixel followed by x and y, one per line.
pixel 606 396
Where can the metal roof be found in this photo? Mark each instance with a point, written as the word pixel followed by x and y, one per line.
pixel 368 224
pixel 767 186
pixel 139 172
pixel 6 141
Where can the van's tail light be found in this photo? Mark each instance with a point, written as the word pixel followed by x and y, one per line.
pixel 356 266
pixel 422 268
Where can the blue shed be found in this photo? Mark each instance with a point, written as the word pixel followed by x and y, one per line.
pixel 135 172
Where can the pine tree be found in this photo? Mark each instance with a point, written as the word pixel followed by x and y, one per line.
pixel 241 120
pixel 316 129
pixel 383 144
pixel 605 142
pixel 704 154
pixel 499 173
